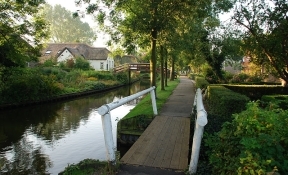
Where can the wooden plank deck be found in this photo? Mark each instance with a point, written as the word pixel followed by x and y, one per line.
pixel 164 144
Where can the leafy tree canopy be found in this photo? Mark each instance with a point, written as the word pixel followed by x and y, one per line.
pixel 262 25
pixel 64 28
pixel 22 30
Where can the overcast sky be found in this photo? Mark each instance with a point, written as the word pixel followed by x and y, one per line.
pixel 70 5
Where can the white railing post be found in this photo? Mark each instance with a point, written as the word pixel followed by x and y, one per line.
pixel 200 122
pixel 108 137
pixel 154 105
pixel 104 111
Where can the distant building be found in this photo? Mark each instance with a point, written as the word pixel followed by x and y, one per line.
pixel 97 56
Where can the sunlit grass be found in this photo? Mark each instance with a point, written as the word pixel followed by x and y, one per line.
pixel 144 107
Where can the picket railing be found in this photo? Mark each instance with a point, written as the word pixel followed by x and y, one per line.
pixel 200 122
pixel 104 111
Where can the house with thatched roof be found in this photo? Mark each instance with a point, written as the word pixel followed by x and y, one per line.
pixel 97 56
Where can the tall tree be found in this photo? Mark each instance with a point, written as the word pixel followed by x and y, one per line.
pixel 264 26
pixel 22 29
pixel 132 20
pixel 64 28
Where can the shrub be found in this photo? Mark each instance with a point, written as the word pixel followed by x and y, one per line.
pixel 201 82
pixel 82 64
pixel 122 77
pixel 49 63
pixel 227 76
pixel 59 73
pixel 193 76
pixel 93 85
pixel 28 85
pixel 255 92
pixel 210 75
pixel 280 101
pixel 253 143
pixel 239 78
pixel 224 102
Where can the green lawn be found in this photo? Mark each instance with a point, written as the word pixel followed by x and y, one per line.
pixel 144 107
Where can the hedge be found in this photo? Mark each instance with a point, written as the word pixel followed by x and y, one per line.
pixel 224 102
pixel 201 82
pixel 255 92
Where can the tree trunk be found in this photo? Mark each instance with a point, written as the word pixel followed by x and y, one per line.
pixel 166 67
pixel 172 68
pixel 162 67
pixel 153 58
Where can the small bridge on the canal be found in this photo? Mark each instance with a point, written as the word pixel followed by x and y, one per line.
pixel 165 142
pixel 143 67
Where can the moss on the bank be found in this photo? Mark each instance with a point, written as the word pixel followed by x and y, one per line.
pixel 90 167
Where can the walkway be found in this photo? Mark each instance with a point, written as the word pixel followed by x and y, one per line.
pixel 165 143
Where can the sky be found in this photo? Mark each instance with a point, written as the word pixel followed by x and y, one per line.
pixel 70 5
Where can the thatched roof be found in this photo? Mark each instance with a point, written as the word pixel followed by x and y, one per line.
pixel 53 50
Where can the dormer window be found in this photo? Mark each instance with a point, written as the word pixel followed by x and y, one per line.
pixel 48 52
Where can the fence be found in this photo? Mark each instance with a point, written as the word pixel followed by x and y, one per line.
pixel 104 111
pixel 200 122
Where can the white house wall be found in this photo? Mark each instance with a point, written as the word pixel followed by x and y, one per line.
pixel 96 64
pixel 66 55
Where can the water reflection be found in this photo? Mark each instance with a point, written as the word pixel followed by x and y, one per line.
pixel 46 138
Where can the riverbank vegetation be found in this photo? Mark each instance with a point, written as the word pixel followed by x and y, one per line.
pixel 89 167
pixel 20 85
pixel 248 137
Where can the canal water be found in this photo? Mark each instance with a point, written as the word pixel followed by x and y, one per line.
pixel 44 139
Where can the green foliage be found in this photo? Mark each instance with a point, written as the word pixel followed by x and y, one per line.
pixel 239 78
pixel 193 76
pixel 82 64
pixel 20 85
pixel 59 73
pixel 20 20
pixel 88 166
pixel 93 85
pixel 28 85
pixel 201 82
pixel 144 107
pixel 255 92
pixel 254 142
pixel 210 75
pixel 224 102
pixel 49 63
pixel 262 27
pixel 280 101
pixel 227 76
pixel 75 30
pixel 122 77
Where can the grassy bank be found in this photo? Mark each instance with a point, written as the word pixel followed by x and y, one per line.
pixel 144 107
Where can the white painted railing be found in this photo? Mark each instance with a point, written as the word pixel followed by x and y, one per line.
pixel 200 122
pixel 104 111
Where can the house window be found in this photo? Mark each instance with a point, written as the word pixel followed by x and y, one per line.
pixel 101 65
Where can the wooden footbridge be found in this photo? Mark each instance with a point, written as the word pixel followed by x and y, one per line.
pixel 165 142
pixel 143 67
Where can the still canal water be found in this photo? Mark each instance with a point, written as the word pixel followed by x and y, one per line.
pixel 44 139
